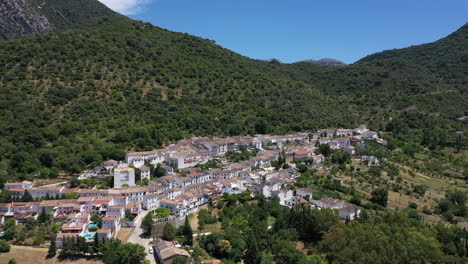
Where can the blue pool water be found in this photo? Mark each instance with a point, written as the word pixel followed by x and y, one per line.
pixel 89 235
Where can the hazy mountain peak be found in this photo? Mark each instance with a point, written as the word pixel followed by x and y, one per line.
pixel 326 62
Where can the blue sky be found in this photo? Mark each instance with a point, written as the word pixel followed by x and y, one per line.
pixel 294 30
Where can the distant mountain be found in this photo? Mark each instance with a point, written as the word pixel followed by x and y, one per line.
pixel 31 17
pixel 321 62
pixel 326 62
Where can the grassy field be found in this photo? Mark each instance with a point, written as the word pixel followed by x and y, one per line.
pixel 31 255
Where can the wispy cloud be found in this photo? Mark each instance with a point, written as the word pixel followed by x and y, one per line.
pixel 126 7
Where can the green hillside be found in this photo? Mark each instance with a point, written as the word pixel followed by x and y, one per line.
pixel 75 97
pixel 426 83
pixel 71 98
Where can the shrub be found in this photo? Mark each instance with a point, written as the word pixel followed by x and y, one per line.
pixel 4 246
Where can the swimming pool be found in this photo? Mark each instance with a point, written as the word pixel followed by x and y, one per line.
pixel 89 235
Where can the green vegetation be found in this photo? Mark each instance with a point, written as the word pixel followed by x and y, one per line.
pixel 147 223
pixel 169 232
pixel 71 99
pixel 4 246
pixel 187 232
pixel 380 196
pixel 112 251
pixel 162 212
pixel 52 248
pixel 454 204
pixel 372 238
pixel 242 155
pixel 32 232
pixel 391 238
pixel 59 118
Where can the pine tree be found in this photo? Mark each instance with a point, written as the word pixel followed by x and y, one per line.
pixel 188 233
pixel 147 223
pixel 52 248
pixel 96 241
pixel 42 218
pixel 459 142
pixel 27 197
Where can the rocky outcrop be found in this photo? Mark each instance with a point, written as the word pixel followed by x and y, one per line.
pixel 18 18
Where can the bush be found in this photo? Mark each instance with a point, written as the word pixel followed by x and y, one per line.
pixel 4 246
pixel 413 205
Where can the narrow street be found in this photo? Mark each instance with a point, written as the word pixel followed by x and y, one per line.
pixel 136 238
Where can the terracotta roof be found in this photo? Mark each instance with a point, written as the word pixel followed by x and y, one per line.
pixel 301 152
pixel 170 202
pixel 103 231
pixel 16 190
pixel 109 218
pixel 211 261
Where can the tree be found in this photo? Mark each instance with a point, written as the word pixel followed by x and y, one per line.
pixel 5 196
pixel 27 197
pixel 117 253
pixel 459 141
pixel 4 246
pixel 188 233
pixel 147 223
pixel 169 232
pixel 391 238
pixel 180 260
pixel 380 196
pixel 325 149
pixel 52 248
pixel 12 261
pixel 97 220
pixel 43 217
pixel 10 228
pixel 158 171
pixel 162 212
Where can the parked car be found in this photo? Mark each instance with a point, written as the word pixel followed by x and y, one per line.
pixel 150 250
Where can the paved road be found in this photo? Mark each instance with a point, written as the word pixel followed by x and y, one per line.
pixel 136 238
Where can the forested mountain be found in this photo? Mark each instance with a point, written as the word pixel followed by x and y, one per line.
pixel 71 98
pixel 428 79
pixel 31 17
pixel 67 96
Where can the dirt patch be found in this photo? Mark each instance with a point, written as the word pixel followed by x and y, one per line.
pixel 124 233
pixel 31 255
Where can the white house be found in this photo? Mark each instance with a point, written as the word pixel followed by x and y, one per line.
pixel 44 191
pixel 103 234
pixel 125 175
pixel 350 149
pixel 303 192
pixel 23 185
pixel 176 207
pixel 283 195
pixel 111 222
pixel 116 211
pixel 145 172
pixel 151 201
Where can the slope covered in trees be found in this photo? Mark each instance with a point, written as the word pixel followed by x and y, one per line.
pixel 68 98
pixel 72 98
pixel 428 79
